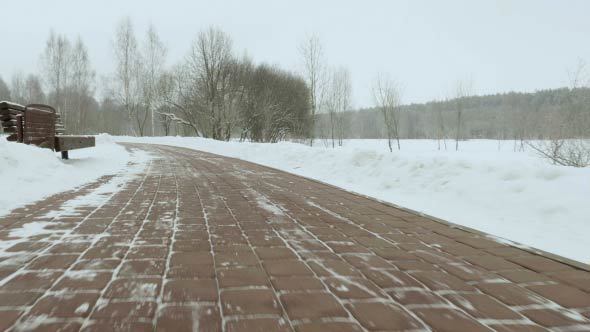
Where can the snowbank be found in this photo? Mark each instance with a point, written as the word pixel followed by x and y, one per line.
pixel 30 173
pixel 486 186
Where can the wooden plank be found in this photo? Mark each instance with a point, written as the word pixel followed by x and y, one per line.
pixel 9 123
pixel 29 136
pixel 40 116
pixel 19 128
pixel 39 133
pixel 38 111
pixel 40 124
pixel 65 143
pixel 39 128
pixel 44 142
pixel 7 116
pixel 10 111
pixel 36 126
pixel 9 105
pixel 40 121
pixel 43 107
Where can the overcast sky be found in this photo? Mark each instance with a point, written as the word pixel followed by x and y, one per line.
pixel 426 45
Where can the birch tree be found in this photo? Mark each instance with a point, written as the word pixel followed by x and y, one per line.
pixel 440 128
pixel 312 55
pixel 337 101
pixel 33 92
pixel 4 90
pixel 128 90
pixel 26 89
pixel 82 84
pixel 154 56
pixel 55 63
pixel 463 89
pixel 386 94
pixel 207 68
pixel 18 88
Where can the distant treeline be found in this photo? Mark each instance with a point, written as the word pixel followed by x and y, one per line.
pixel 520 116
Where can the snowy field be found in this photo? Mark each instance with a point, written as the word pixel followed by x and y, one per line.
pixel 486 186
pixel 30 173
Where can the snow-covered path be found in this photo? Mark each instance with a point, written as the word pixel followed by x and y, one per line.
pixel 486 186
pixel 196 241
pixel 29 173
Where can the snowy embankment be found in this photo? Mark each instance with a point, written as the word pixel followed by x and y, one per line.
pixel 513 195
pixel 30 173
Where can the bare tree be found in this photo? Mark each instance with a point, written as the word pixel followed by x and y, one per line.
pixel 128 73
pixel 178 91
pixel 314 71
pixel 441 131
pixel 463 89
pixel 55 62
pixel 18 88
pixel 337 101
pixel 82 84
pixel 388 100
pixel 33 93
pixel 566 145
pixel 207 73
pixel 563 152
pixel 4 90
pixel 522 118
pixel 154 60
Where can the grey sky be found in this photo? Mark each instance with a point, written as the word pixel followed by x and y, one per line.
pixel 425 45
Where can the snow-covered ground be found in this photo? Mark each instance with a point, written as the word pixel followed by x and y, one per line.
pixel 486 186
pixel 30 173
pixel 513 195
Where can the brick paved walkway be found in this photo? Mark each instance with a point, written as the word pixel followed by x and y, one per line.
pixel 200 242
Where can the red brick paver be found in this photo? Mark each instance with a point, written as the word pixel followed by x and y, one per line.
pixel 199 242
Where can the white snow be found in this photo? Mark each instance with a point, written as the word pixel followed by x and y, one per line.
pixel 342 288
pixel 83 308
pixel 27 230
pixel 486 186
pixel 265 204
pixel 30 173
pixel 31 229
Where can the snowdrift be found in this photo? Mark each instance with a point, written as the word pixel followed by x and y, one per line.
pixel 30 173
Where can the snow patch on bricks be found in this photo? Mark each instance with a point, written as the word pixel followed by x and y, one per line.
pixel 101 195
pixel 81 274
pixel 135 165
pixel 144 291
pixel 31 229
pixel 82 308
pixel 34 322
pixel 265 204
pixel 31 173
pixel 26 231
pixel 574 315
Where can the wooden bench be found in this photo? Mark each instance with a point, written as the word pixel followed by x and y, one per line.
pixel 39 125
